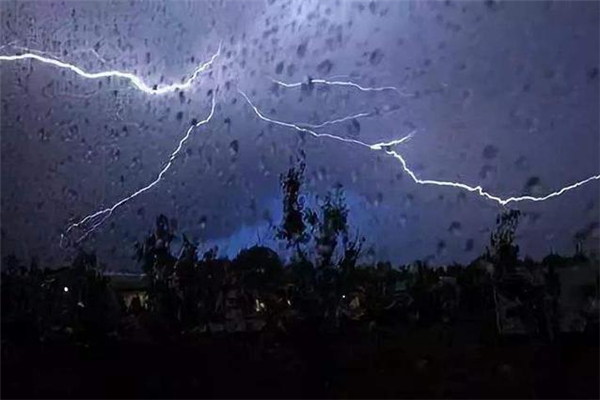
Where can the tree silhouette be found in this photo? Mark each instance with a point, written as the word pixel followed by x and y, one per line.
pixel 502 251
pixel 293 227
pixel 158 263
pixel 329 225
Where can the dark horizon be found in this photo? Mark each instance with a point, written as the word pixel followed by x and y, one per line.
pixel 499 94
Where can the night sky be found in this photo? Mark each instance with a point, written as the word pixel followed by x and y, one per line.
pixel 502 94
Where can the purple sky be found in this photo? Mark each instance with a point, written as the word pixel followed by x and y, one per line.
pixel 503 94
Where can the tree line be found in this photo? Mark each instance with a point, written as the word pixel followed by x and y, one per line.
pixel 322 288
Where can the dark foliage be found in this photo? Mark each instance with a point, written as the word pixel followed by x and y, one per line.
pixel 320 300
pixel 293 227
pixel 71 303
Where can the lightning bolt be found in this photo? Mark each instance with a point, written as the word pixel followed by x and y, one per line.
pixel 299 128
pixel 339 120
pixel 135 80
pixel 342 83
pixel 479 190
pixel 92 221
pixel 96 219
pixel 385 147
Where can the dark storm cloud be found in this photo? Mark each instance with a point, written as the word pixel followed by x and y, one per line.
pixel 503 93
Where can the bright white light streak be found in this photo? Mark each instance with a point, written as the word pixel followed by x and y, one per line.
pixel 479 190
pixel 337 121
pixel 299 128
pixel 134 79
pixel 96 219
pixel 342 83
pixel 385 146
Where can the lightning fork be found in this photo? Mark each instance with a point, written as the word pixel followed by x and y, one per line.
pixel 299 128
pixel 385 147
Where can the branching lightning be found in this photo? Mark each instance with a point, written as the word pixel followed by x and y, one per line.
pixel 96 219
pixel 134 79
pixel 92 221
pixel 385 147
pixel 303 128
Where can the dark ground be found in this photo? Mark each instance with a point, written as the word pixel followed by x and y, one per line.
pixel 235 367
